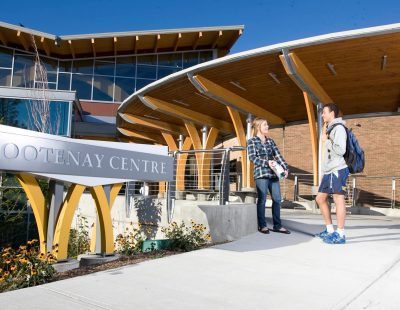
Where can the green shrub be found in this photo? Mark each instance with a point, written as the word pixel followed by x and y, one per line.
pixel 129 243
pixel 186 238
pixel 79 241
pixel 24 267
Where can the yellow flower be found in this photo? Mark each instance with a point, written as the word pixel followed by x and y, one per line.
pixel 7 261
pixel 22 247
pixel 13 267
pixel 6 274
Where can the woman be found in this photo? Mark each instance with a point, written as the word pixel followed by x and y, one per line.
pixel 263 152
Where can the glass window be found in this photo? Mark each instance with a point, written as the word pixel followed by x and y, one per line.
pixel 6 56
pixel 49 64
pixel 171 60
pixel 190 59
pixel 52 77
pixel 24 71
pixel 52 85
pixel 65 66
pixel 126 66
pixel 104 67
pixel 64 80
pixel 19 112
pixel 5 77
pixel 164 71
pixel 83 66
pixel 147 60
pixel 147 72
pixel 103 88
pixel 83 85
pixel 206 56
pixel 123 88
pixel 142 83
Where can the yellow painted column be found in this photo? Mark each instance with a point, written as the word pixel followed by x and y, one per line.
pixel 103 208
pixel 63 226
pixel 38 203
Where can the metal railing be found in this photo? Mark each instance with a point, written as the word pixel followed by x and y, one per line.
pixel 371 191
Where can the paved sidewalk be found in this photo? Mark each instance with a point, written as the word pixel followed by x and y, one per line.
pixel 274 271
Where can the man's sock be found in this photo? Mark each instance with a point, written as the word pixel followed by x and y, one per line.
pixel 330 229
pixel 340 231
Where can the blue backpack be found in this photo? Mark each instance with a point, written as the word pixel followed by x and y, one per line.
pixel 354 155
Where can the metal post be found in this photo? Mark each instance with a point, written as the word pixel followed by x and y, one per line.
pixel 224 179
pixel 354 202
pixel 171 190
pixel 56 193
pixel 107 190
pixel 204 136
pixel 393 193
pixel 296 189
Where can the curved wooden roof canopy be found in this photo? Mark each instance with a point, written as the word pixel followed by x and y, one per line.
pixel 358 69
pixel 121 43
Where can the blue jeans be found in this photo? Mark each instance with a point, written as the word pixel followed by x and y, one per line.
pixel 272 185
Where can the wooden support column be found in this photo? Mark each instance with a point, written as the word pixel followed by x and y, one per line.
pixel 181 165
pixel 202 159
pixel 313 135
pixel 241 138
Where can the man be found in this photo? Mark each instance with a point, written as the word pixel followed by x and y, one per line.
pixel 335 174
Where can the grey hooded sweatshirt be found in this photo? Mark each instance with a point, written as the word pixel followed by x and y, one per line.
pixel 334 148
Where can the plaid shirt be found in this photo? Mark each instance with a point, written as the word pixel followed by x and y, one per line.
pixel 259 153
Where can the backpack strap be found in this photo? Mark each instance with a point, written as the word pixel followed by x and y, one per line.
pixel 333 126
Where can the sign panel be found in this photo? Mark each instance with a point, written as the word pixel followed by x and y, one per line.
pixel 29 151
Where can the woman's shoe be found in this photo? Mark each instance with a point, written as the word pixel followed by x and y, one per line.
pixel 282 230
pixel 264 230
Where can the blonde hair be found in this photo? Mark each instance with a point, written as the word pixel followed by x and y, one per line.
pixel 257 124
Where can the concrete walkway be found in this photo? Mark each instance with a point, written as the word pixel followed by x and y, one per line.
pixel 274 271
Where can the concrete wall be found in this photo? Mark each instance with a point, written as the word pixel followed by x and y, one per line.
pixel 224 223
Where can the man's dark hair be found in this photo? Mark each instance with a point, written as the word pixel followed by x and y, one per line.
pixel 332 107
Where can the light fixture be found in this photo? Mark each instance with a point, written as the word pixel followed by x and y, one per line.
pixel 331 68
pixel 237 84
pixel 150 116
pixel 384 62
pixel 273 76
pixel 181 102
pixel 201 95
pixel 57 41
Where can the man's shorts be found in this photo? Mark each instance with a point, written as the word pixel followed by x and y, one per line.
pixel 335 182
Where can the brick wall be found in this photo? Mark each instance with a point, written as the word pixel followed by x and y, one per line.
pixel 379 137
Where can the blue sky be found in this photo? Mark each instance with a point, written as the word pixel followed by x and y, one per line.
pixel 266 22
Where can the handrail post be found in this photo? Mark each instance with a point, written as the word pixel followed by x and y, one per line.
pixel 393 193
pixel 171 189
pixel 296 189
pixel 224 179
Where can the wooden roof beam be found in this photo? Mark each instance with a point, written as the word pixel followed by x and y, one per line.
pixel 135 44
pixel 71 48
pixel 218 37
pixel 155 124
pixel 178 37
pixel 45 46
pixel 3 39
pixel 158 37
pixel 93 47
pixel 23 41
pixel 229 98
pixel 141 135
pixel 196 43
pixel 303 78
pixel 186 114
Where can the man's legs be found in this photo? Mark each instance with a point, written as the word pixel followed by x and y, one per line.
pixel 322 201
pixel 340 210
